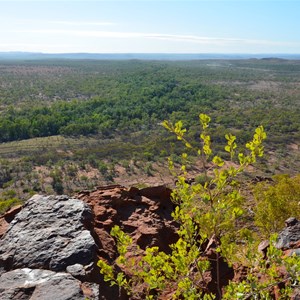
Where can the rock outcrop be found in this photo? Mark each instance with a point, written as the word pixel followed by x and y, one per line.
pixel 49 233
pixel 46 239
pixel 50 247
pixel 289 241
pixel 36 284
pixel 143 213
pixel 289 237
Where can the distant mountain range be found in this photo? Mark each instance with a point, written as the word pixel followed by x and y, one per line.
pixel 139 56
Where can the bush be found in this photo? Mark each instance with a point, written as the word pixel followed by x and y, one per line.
pixel 210 210
pixel 206 210
pixel 102 167
pixel 276 202
pixel 57 183
pixel 8 203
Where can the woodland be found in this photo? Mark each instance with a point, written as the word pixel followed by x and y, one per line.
pixel 223 135
pixel 68 125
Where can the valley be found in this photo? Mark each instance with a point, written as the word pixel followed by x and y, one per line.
pixel 68 125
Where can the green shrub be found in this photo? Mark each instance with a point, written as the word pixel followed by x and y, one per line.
pixel 9 194
pixel 275 202
pixel 202 179
pixel 102 167
pixel 210 209
pixel 57 183
pixel 8 203
pixel 268 270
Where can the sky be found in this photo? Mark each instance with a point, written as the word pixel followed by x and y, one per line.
pixel 145 26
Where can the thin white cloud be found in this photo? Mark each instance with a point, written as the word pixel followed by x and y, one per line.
pixel 38 22
pixel 33 47
pixel 216 40
pixel 79 23
pixel 158 36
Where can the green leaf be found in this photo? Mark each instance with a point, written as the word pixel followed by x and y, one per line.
pixel 227 148
pixel 218 161
pixel 204 120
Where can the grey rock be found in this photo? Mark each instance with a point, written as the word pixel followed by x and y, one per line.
pixel 48 233
pixel 32 284
pixel 76 270
pixel 289 237
pixel 296 294
pixel 291 222
pixel 92 291
pixel 294 252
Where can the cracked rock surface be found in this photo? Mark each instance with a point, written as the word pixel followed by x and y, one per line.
pixel 48 233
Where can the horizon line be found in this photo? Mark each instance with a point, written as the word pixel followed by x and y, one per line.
pixel 147 56
pixel 163 53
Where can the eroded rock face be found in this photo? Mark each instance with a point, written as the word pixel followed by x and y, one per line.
pixel 53 243
pixel 50 247
pixel 48 233
pixel 144 214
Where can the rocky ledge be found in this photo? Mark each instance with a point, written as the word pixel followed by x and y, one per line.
pixel 49 248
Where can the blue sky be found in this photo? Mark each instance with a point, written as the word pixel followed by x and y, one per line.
pixel 170 26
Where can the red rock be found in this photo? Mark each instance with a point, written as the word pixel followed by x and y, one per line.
pixel 3 226
pixel 144 214
pixel 7 218
pixel 10 214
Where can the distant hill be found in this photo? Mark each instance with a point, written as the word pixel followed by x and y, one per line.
pixel 139 56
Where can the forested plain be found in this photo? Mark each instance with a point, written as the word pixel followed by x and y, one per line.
pixel 66 125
